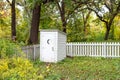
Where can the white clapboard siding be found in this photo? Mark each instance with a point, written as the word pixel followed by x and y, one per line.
pixel 96 49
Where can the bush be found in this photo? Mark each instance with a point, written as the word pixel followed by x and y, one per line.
pixel 8 48
pixel 18 69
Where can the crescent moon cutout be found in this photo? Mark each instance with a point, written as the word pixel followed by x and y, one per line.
pixel 48 41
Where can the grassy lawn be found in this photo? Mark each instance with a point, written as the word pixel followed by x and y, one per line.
pixel 82 68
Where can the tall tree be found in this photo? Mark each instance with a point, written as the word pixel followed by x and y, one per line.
pixel 35 24
pixel 33 39
pixel 113 7
pixel 13 19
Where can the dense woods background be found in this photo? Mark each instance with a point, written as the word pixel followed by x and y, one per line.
pixel 82 20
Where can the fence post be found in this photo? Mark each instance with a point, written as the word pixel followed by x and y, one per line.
pixel 27 52
pixel 34 51
pixel 104 50
pixel 71 46
pixel 118 47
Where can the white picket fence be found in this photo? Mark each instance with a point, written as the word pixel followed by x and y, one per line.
pixel 96 49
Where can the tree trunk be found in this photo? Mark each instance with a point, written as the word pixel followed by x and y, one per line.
pixel 63 16
pixel 107 32
pixel 33 39
pixel 13 23
pixel 112 32
pixel 108 26
pixel 64 24
pixel 85 27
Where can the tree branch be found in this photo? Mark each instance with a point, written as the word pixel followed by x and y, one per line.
pixel 79 4
pixel 58 6
pixel 101 18
pixel 108 7
pixel 73 10
pixel 9 2
pixel 118 8
pixel 87 16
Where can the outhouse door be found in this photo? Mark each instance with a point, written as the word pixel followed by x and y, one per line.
pixel 48 41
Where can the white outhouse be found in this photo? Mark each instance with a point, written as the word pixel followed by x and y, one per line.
pixel 52 45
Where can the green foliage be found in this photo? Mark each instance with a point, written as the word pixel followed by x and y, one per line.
pixel 22 32
pixel 8 48
pixel 4 25
pixel 51 19
pixel 18 69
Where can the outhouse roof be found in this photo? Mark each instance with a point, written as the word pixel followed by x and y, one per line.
pixel 52 30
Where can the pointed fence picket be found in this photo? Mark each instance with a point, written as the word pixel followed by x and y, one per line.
pixel 96 49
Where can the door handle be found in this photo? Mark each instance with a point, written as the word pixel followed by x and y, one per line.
pixel 52 48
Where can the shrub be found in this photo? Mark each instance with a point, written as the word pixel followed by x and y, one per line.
pixel 8 48
pixel 18 69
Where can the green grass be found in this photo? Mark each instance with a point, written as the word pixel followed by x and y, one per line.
pixel 82 68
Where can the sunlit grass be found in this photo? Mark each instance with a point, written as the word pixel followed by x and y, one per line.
pixel 83 68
